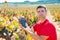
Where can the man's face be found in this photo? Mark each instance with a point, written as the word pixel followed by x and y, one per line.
pixel 41 12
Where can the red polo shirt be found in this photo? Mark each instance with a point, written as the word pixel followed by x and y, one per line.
pixel 46 29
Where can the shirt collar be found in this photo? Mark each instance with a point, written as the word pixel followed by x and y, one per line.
pixel 44 22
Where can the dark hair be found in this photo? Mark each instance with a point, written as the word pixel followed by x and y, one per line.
pixel 41 7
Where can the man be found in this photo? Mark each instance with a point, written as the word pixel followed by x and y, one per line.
pixel 43 29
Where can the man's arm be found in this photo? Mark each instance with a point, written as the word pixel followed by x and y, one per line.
pixel 40 37
pixel 35 37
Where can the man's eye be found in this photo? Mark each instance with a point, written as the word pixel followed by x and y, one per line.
pixel 42 11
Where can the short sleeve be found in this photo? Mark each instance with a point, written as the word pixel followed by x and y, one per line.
pixel 34 27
